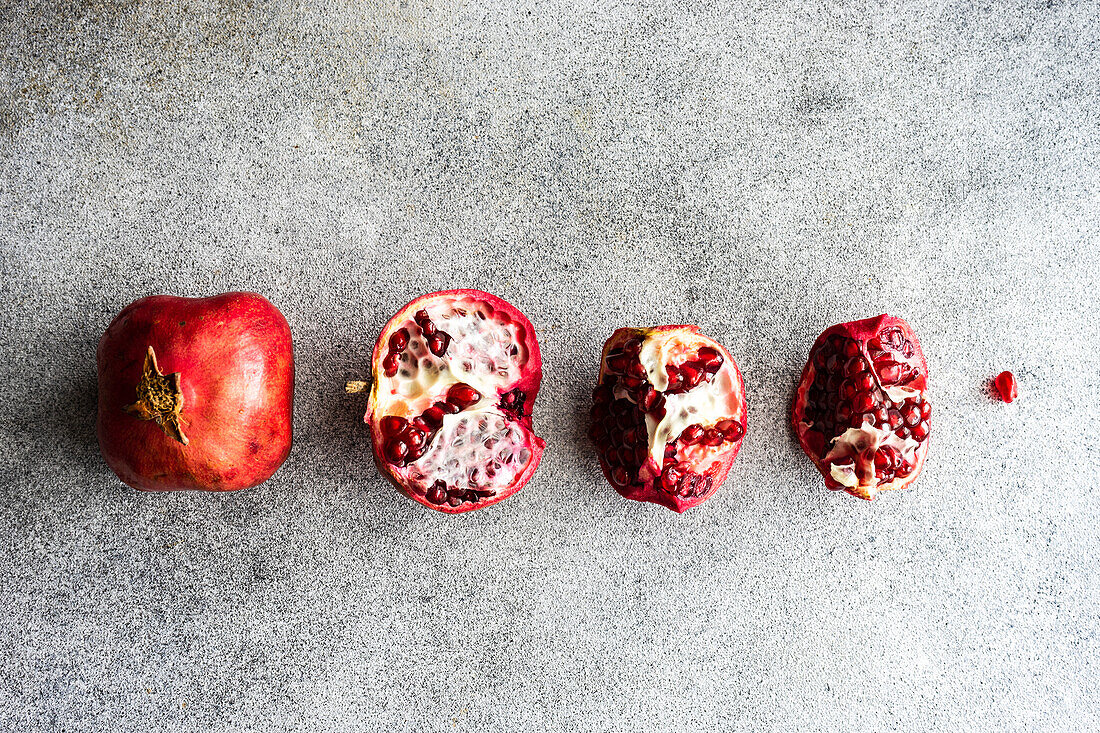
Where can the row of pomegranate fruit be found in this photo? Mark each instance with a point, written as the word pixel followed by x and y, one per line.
pixel 198 394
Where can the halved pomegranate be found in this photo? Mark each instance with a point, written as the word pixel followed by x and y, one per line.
pixel 455 375
pixel 668 416
pixel 862 412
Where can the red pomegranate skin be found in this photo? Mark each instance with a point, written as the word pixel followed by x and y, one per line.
pixel 235 359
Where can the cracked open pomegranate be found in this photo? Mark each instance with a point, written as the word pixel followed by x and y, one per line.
pixel 861 411
pixel 454 377
pixel 668 415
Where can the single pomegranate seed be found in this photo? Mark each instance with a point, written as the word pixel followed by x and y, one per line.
pixel 709 357
pixel 414 439
pixel 420 424
pixel 400 339
pixel 691 434
pixel 437 494
pixel 618 364
pixel 392 425
pixel 713 437
pixel 893 417
pixel 886 457
pixel 637 370
pixel 620 476
pixel 396 451
pixel 691 375
pixel 920 431
pixel 462 395
pixel 389 364
pixel 433 416
pixel 633 347
pixel 449 408
pixel 890 372
pixel 1006 386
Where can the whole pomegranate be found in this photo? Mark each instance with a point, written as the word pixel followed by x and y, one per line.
pixel 668 414
pixel 454 377
pixel 862 412
pixel 196 393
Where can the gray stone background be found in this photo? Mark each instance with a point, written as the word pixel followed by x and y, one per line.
pixel 761 169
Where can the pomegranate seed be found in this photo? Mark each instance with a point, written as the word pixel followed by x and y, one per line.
pixel 447 407
pixel 392 425
pixel 396 451
pixel 637 370
pixel 691 434
pixel 710 356
pixel 463 395
pixel 437 494
pixel 851 348
pixel 713 437
pixel 433 416
pixel 920 431
pixel 437 343
pixel 691 375
pixel 414 439
pixel 890 372
pixel 619 476
pixel 631 382
pixel 894 418
pixel 617 364
pixel 672 478
pixel 886 457
pixel 911 415
pixel 863 402
pixel 847 390
pixel 1006 386
pixel 389 364
pixel 647 397
pixel 633 347
pixel 399 340
pixel 855 366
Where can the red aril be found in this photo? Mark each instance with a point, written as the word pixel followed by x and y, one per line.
pixel 862 412
pixel 196 393
pixel 455 375
pixel 1006 386
pixel 668 415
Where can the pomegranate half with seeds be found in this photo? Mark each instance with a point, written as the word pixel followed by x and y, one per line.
pixel 861 411
pixel 668 415
pixel 455 375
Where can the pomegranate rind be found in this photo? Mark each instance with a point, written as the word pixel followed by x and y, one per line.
pixel 647 489
pixel 528 380
pixel 861 331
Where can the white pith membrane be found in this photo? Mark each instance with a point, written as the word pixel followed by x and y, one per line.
pixel 708 403
pixel 478 448
pixel 861 443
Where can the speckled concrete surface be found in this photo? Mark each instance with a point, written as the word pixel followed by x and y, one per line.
pixel 761 169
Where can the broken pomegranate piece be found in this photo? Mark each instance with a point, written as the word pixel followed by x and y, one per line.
pixel 455 374
pixel 862 412
pixel 668 415
pixel 1006 386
